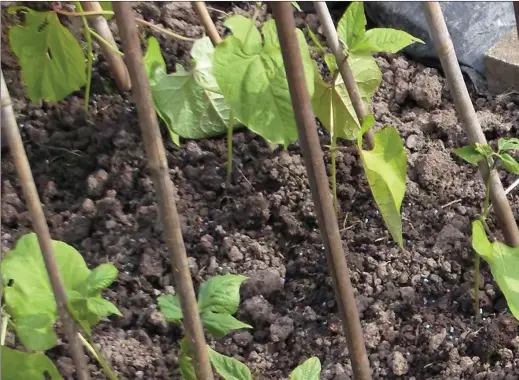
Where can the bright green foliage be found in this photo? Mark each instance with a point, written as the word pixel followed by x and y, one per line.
pixel 296 6
pixel 504 264
pixel 309 370
pixel 52 62
pixel 386 168
pixel 508 144
pixel 190 103
pixel 470 154
pixel 253 80
pixel 170 306
pixel 333 99
pixel 29 298
pixel 352 31
pixel 17 365
pixel 229 368
pixel 218 299
pixel 352 25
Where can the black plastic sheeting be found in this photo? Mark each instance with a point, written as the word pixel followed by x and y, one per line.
pixel 474 27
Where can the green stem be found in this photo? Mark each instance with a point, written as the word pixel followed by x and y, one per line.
pixel 106 43
pixel 82 14
pixel 162 30
pixel 229 147
pixel 88 38
pixel 96 354
pixel 3 332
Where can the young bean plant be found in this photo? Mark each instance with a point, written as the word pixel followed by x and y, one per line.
pixel 218 300
pixel 502 259
pixel 30 310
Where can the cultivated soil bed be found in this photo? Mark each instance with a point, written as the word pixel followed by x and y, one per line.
pixel 415 303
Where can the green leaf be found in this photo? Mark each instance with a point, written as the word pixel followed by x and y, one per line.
pixel 170 306
pixel 191 103
pixel 187 370
pixel 385 40
pixel 484 149
pixel 509 163
pixel 314 39
pixel 221 324
pixel 35 331
pixel 102 307
pixel 508 144
pixel 18 365
pixel 331 62
pixel 352 25
pixel 107 6
pixel 100 278
pixel 327 97
pixel 504 264
pixel 470 154
pixel 154 61
pixel 246 32
pixel 220 294
pixel 52 61
pixel 386 167
pixel 229 368
pixel 253 82
pixel 296 6
pixel 309 370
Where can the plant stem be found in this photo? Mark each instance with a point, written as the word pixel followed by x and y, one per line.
pixel 41 228
pixel 165 190
pixel 162 30
pixel 205 18
pixel 477 261
pixel 88 38
pixel 106 43
pixel 97 355
pixel 229 147
pixel 82 14
pixel 320 188
pixel 333 156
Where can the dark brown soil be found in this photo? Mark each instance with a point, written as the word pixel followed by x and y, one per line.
pixel 415 303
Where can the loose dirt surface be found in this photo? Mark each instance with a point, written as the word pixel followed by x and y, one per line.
pixel 415 303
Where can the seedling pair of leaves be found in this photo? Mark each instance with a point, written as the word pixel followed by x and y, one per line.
pixel 386 164
pixel 218 300
pixel 30 303
pixel 502 259
pixel 231 369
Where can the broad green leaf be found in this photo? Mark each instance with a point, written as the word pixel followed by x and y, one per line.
pixel 255 84
pixel 190 103
pixel 154 61
pixel 504 264
pixel 52 61
pixel 309 370
pixel 100 278
pixel 156 70
pixel 470 154
pixel 244 30
pixel 221 324
pixel 35 331
pixel 509 163
pixel 385 40
pixel 220 294
pixel 18 365
pixel 170 306
pixel 186 362
pixel 296 6
pixel 102 307
pixel 386 168
pixel 484 149
pixel 508 144
pixel 107 6
pixel 229 368
pixel 352 25
pixel 368 77
pixel 28 293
